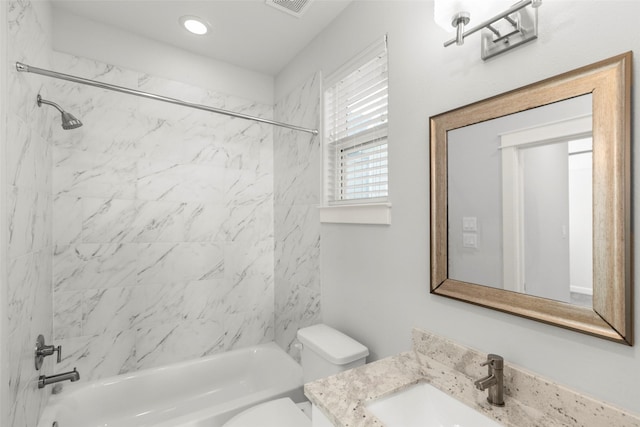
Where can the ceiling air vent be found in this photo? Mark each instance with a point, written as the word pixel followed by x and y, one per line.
pixel 292 7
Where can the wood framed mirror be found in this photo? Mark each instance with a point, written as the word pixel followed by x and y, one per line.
pixel 500 236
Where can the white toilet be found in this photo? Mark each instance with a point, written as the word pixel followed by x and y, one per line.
pixel 325 352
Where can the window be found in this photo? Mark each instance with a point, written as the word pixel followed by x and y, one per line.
pixel 355 130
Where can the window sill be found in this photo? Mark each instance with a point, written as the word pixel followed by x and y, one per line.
pixel 374 213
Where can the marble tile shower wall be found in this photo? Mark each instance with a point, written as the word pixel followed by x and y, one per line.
pixel 27 170
pixel 163 225
pixel 297 158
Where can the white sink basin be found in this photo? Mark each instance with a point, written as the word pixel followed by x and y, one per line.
pixel 423 405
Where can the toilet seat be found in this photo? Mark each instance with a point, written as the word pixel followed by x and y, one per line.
pixel 275 413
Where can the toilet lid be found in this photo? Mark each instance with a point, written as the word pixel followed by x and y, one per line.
pixel 275 413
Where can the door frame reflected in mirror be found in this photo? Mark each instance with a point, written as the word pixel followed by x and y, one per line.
pixel 609 82
pixel 540 247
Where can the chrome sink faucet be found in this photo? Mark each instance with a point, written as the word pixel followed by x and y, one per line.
pixel 494 381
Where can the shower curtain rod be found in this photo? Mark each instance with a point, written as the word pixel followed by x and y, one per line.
pixel 29 69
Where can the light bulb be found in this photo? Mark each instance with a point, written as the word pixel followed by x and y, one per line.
pixel 194 25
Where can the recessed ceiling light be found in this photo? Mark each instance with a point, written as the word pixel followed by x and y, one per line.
pixel 194 25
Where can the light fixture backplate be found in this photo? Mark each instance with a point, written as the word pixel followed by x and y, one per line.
pixel 528 21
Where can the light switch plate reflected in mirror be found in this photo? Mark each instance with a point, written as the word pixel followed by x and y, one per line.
pixel 470 223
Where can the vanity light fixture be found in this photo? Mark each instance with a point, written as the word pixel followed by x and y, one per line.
pixel 500 32
pixel 194 25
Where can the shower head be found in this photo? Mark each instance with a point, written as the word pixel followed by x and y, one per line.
pixel 68 120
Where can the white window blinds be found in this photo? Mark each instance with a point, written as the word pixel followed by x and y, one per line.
pixel 356 111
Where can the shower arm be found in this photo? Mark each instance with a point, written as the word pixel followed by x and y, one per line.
pixel 29 69
pixel 39 101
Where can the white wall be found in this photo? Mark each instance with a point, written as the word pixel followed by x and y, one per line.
pixel 89 39
pixel 26 168
pixel 296 173
pixel 162 224
pixel 375 279
pixel 4 366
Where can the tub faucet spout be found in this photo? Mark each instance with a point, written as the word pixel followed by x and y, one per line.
pixel 72 376
pixel 494 380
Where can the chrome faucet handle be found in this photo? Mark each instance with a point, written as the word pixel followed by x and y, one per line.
pixel 494 361
pixel 48 350
pixel 42 350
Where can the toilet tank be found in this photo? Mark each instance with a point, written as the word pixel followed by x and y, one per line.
pixel 326 351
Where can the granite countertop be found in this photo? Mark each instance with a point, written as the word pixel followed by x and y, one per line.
pixel 530 400
pixel 342 397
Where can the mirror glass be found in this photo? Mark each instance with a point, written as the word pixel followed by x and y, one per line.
pixel 519 202
pixel 530 201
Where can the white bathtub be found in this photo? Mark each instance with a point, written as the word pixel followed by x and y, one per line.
pixel 204 392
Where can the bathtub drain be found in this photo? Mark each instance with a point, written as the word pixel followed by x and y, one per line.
pixel 55 424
